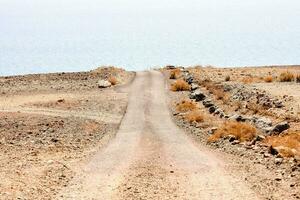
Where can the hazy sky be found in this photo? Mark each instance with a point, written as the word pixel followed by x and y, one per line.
pixel 47 35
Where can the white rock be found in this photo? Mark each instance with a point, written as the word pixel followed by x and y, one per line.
pixel 103 84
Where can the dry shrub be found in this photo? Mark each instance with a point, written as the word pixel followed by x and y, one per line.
pixel 220 94
pixel 194 116
pixel 227 78
pixel 286 77
pixel 242 131
pixel 185 106
pixel 288 144
pixel 247 80
pixel 113 80
pixel 175 74
pixel 180 85
pixel 216 90
pixel 256 108
pixel 268 79
pixel 298 78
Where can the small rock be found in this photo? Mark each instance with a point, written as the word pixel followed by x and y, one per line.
pixel 189 79
pixel 278 161
pixel 207 103
pixel 54 140
pixel 273 151
pixel 212 109
pixel 212 130
pixel 231 138
pixel 198 95
pixel 103 84
pixel 278 179
pixel 60 101
pixel 194 86
pixel 234 142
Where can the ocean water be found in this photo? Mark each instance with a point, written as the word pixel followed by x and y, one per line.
pixel 73 35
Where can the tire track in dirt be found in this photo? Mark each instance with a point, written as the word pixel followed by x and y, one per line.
pixel 151 158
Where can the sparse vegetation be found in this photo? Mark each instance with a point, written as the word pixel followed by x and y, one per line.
pixel 194 116
pixel 180 85
pixel 298 78
pixel 113 80
pixel 185 106
pixel 216 90
pixel 175 73
pixel 247 80
pixel 288 145
pixel 241 131
pixel 227 78
pixel 268 79
pixel 286 77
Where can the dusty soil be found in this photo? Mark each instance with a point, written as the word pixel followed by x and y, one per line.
pixel 61 137
pixel 151 158
pixel 50 125
pixel 273 177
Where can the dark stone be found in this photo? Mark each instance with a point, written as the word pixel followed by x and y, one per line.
pixel 207 103
pixel 278 128
pixel 273 151
pixel 212 109
pixel 197 95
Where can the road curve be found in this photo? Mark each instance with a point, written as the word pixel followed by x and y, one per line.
pixel 151 158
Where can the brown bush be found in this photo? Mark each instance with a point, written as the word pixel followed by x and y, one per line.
pixel 227 78
pixel 185 106
pixel 288 144
pixel 180 85
pixel 298 78
pixel 242 131
pixel 268 79
pixel 175 74
pixel 113 80
pixel 194 116
pixel 286 77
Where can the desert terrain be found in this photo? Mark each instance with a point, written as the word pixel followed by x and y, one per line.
pixel 250 113
pixel 172 133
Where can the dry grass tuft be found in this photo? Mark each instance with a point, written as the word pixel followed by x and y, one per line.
pixel 185 106
pixel 288 144
pixel 268 79
pixel 248 80
pixel 242 131
pixel 175 74
pixel 180 85
pixel 113 80
pixel 216 90
pixel 286 77
pixel 194 116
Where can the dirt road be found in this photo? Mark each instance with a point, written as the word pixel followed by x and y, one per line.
pixel 151 158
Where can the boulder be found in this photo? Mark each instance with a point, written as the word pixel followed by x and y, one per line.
pixel 198 95
pixel 103 84
pixel 278 128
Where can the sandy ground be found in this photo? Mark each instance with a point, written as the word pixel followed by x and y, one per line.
pixel 47 133
pixel 151 158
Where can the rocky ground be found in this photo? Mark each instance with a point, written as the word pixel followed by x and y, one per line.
pixel 50 124
pixel 257 102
